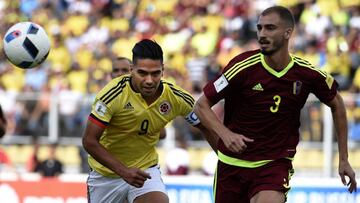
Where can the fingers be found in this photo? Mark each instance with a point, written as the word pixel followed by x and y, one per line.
pixel 144 175
pixel 343 180
pixel 246 139
pixel 238 144
pixel 352 181
pixel 237 147
pixel 137 177
pixel 352 184
pixel 138 184
pixel 140 179
pixel 352 187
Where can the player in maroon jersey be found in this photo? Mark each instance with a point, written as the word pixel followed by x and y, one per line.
pixel 264 91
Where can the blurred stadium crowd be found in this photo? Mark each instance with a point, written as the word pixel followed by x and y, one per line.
pixel 198 37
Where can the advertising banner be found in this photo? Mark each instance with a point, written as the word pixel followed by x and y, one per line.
pixel 181 189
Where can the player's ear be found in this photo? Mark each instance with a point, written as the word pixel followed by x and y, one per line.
pixel 288 33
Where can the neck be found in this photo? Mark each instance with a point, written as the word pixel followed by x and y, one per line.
pixel 151 99
pixel 278 60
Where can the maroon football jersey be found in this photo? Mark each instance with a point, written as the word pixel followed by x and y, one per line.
pixel 265 105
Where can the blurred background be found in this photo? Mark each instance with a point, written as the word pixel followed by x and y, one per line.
pixel 47 106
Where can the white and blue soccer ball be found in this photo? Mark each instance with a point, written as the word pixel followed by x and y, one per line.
pixel 26 45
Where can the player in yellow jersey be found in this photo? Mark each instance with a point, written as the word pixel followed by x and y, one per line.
pixel 121 66
pixel 123 130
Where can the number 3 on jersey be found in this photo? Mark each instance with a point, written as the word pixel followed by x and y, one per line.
pixel 275 107
pixel 144 127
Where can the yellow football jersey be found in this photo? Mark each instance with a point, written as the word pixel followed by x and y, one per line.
pixel 132 127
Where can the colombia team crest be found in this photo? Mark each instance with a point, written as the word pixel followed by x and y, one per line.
pixel 164 107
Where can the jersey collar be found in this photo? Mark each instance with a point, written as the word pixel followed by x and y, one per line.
pixel 274 72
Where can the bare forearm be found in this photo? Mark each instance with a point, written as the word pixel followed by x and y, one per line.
pixel 100 154
pixel 208 118
pixel 340 122
pixel 211 138
pixel 92 145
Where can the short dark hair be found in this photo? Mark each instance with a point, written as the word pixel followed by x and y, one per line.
pixel 118 58
pixel 123 58
pixel 284 13
pixel 147 49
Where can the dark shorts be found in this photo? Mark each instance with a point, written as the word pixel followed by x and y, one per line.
pixel 238 184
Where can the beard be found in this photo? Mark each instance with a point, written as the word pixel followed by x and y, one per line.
pixel 276 45
pixel 268 52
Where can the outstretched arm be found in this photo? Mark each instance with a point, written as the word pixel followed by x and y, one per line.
pixel 339 115
pixel 234 142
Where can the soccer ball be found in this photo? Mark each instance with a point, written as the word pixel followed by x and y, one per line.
pixel 26 45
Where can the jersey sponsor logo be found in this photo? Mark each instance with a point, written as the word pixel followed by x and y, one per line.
pixel 192 118
pixel 100 108
pixel 164 108
pixel 297 87
pixel 258 87
pixel 220 83
pixel 128 106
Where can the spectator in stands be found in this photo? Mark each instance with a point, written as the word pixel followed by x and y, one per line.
pixel 51 166
pixel 5 162
pixel 209 163
pixel 177 160
pixel 33 164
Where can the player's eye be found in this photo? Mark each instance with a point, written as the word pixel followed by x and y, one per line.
pixel 142 73
pixel 156 74
pixel 259 27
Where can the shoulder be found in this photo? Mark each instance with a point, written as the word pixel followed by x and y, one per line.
pixel 241 62
pixel 245 56
pixel 177 92
pixel 307 67
pixel 113 89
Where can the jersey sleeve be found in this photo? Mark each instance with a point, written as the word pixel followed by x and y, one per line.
pixel 325 87
pixel 218 88
pixel 100 113
pixel 103 107
pixel 185 103
pixel 107 101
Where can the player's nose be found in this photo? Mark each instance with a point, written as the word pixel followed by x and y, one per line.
pixel 148 79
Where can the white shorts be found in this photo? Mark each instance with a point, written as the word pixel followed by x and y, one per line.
pixel 103 189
